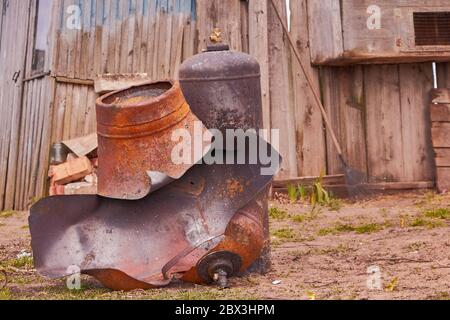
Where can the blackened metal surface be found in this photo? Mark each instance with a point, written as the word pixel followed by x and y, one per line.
pixel 135 129
pixel 136 240
pixel 223 89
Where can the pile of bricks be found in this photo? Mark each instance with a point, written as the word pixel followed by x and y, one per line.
pixel 75 176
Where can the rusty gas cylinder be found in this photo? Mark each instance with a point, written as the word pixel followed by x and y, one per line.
pixel 223 88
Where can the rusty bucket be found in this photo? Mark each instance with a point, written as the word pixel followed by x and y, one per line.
pixel 135 128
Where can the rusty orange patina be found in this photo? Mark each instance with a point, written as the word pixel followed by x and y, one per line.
pixel 135 129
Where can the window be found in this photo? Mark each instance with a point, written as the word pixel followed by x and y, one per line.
pixel 42 29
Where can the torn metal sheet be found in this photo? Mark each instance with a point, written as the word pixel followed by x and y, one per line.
pixel 147 242
pixel 135 128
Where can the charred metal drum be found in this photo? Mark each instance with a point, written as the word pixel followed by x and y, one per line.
pixel 135 128
pixel 223 88
pixel 206 222
pixel 200 223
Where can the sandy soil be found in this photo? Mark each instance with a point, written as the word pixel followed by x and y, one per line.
pixel 321 253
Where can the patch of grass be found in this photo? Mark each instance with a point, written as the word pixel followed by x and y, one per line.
pixel 300 218
pixel 428 223
pixel 95 293
pixel 369 228
pixel 7 213
pixel 5 294
pixel 211 294
pixel 347 228
pixel 62 293
pixel 284 233
pixel 293 193
pixel 278 214
pixel 442 296
pixel 335 204
pixel 441 213
pixel 23 262
pixel 430 196
pixel 326 231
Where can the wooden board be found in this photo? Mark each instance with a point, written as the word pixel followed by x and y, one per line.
pixel 280 94
pixel 259 49
pixel 14 38
pixel 310 136
pixel 443 75
pixel 442 157
pixel 325 30
pixel 440 112
pixel 224 15
pixel 338 179
pixel 383 120
pixel 136 36
pixel 443 182
pixel 362 31
pixel 440 96
pixel 415 118
pixel 343 95
pixel 441 134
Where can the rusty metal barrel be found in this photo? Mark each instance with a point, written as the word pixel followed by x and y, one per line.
pixel 135 129
pixel 223 88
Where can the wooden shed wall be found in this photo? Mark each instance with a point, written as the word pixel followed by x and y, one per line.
pixel 379 112
pixel 13 49
pixel 134 36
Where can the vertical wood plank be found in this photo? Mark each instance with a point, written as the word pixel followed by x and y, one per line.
pixel 190 44
pixel 443 75
pixel 44 155
pixel 416 82
pixel 343 97
pixel 310 137
pixel 325 29
pixel 244 22
pixel 224 15
pixel 259 49
pixel 152 40
pixel 383 119
pixel 280 94
pixel 18 61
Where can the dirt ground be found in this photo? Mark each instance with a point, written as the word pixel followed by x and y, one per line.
pixel 320 253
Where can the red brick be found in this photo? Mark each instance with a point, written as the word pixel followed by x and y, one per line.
pixel 70 171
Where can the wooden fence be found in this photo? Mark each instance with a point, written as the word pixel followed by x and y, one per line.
pixel 379 111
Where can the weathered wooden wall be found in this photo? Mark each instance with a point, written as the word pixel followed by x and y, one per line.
pixel 116 37
pixel 13 45
pixel 379 112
